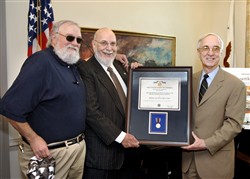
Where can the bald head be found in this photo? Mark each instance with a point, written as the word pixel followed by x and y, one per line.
pixel 104 46
pixel 104 32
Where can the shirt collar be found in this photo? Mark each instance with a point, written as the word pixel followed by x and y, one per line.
pixel 211 74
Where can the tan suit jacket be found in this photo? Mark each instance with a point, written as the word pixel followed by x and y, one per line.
pixel 217 120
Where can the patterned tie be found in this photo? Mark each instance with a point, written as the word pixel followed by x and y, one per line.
pixel 203 87
pixel 118 87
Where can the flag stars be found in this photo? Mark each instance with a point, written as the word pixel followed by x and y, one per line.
pixel 31 16
pixel 32 5
pixel 45 10
pixel 35 19
pixel 38 8
pixel 44 21
pixel 49 15
pixel 29 39
pixel 31 28
pixel 50 5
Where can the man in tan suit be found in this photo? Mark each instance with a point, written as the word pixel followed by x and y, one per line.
pixel 217 118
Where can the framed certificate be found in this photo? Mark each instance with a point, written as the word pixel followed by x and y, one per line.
pixel 159 105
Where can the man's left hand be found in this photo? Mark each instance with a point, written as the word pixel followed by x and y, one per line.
pixel 198 144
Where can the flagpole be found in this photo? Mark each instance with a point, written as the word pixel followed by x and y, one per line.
pixel 39 25
pixel 230 58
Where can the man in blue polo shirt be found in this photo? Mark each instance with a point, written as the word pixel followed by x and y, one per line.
pixel 47 104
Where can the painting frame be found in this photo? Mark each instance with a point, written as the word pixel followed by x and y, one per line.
pixel 174 128
pixel 148 49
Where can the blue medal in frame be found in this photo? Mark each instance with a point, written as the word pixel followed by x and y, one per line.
pixel 158 123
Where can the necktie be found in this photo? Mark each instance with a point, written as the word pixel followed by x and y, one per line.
pixel 203 87
pixel 118 87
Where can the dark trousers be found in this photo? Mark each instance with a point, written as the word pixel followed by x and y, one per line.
pixel 162 163
pixel 129 170
pixel 145 164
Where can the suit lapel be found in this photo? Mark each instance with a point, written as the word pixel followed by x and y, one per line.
pixel 121 70
pixel 214 86
pixel 196 88
pixel 108 84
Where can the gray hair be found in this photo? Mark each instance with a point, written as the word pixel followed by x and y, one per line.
pixel 213 34
pixel 56 26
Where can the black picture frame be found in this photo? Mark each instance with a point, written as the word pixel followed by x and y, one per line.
pixel 174 117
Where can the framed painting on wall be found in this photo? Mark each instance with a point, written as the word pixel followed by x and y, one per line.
pixel 147 49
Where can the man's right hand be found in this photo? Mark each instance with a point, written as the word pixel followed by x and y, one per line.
pixel 39 148
pixel 37 144
pixel 130 141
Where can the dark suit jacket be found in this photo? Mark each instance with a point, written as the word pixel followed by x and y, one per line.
pixel 217 119
pixel 105 116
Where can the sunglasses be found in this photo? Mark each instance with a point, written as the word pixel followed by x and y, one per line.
pixel 71 38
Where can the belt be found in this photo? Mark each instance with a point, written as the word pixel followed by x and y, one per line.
pixel 66 143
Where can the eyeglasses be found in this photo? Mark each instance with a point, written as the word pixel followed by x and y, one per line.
pixel 205 49
pixel 104 43
pixel 71 38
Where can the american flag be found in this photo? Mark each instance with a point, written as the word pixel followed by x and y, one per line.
pixel 40 21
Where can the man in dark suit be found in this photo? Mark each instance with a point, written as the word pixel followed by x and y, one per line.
pixel 217 116
pixel 106 140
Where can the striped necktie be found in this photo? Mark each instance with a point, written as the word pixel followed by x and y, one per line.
pixel 203 87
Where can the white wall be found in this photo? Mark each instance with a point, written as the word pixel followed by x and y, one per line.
pixel 186 20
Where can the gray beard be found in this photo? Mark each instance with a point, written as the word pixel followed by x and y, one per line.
pixel 106 63
pixel 69 58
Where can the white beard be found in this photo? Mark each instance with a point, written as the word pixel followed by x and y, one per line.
pixel 105 62
pixel 68 57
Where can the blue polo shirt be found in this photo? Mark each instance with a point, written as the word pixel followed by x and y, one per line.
pixel 48 94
